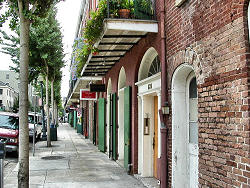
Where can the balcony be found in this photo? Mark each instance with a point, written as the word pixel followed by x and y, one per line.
pixel 121 31
pixel 131 9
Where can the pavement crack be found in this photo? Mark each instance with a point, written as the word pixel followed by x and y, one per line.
pixel 45 178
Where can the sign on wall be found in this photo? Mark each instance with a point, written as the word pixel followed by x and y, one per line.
pixel 97 87
pixel 85 94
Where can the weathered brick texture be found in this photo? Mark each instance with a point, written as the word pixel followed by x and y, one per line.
pixel 212 36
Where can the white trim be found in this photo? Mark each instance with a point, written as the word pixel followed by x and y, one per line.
pixel 156 90
pixel 131 25
pixel 179 151
pixel 149 79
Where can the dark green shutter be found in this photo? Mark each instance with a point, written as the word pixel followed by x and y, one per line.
pixel 75 119
pixel 114 153
pixel 110 125
pixel 101 124
pixel 127 125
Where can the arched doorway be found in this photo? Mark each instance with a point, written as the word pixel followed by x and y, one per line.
pixel 121 87
pixel 108 115
pixel 184 128
pixel 149 100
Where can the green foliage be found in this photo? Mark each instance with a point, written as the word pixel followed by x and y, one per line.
pixel 91 34
pixel 46 48
pixel 125 4
pixel 143 9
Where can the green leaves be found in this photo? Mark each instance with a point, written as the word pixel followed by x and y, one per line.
pixel 44 56
pixel 91 34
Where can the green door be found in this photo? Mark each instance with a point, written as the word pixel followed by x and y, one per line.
pixel 110 125
pixel 75 119
pixel 101 124
pixel 114 152
pixel 127 122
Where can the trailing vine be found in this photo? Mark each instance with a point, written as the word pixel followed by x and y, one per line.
pixel 91 34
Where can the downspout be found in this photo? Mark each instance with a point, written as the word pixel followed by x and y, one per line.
pixel 164 102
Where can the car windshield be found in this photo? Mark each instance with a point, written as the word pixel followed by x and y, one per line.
pixel 9 122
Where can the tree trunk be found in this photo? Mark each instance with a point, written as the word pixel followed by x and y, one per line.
pixel 52 102
pixel 47 108
pixel 23 159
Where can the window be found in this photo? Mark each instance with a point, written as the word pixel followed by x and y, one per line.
pixel 7 76
pixel 1 91
pixel 155 67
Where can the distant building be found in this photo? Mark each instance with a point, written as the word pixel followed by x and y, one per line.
pixel 8 95
pixel 11 78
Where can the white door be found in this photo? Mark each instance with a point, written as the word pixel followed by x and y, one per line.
pixel 193 134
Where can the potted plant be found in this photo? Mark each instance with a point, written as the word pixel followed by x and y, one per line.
pixel 124 8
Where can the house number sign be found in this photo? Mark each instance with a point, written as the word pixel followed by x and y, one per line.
pixel 149 86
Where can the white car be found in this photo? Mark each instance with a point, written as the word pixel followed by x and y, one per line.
pixel 38 130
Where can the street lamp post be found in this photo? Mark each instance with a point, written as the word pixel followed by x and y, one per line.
pixel 44 137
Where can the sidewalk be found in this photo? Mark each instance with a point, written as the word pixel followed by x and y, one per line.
pixel 73 162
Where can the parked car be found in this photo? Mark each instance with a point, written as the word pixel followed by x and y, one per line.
pixel 9 124
pixel 38 123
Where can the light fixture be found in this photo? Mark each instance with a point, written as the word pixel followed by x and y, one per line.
pixel 165 109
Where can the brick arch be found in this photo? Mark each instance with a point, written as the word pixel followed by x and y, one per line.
pixel 188 56
pixel 139 60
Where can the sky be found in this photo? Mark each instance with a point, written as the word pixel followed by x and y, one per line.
pixel 67 16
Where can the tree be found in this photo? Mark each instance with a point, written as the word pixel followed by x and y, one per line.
pixel 46 55
pixel 50 48
pixel 24 11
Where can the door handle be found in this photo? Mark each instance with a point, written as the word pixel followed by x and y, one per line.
pixel 153 143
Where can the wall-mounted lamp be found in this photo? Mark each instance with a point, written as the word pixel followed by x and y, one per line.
pixel 165 109
pixel 146 125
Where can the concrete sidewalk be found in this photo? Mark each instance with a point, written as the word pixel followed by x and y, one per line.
pixel 73 162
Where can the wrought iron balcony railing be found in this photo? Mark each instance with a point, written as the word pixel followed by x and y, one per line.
pixel 131 9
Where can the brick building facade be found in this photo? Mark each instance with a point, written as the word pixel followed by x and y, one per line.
pixel 212 37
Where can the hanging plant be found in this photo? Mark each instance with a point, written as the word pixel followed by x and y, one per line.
pixel 91 34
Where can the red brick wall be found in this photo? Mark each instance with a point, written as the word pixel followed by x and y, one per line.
pixel 131 63
pixel 197 19
pixel 212 36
